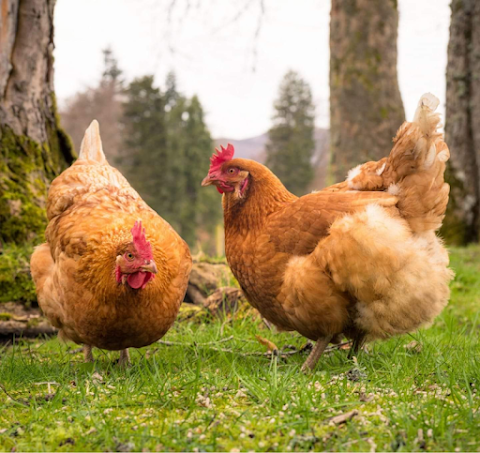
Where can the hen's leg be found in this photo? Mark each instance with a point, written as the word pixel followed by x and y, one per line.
pixel 87 353
pixel 358 342
pixel 124 358
pixel 316 353
pixel 337 339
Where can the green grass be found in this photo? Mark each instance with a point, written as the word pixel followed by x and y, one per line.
pixel 196 398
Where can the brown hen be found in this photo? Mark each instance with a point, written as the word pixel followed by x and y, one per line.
pixel 360 258
pixel 112 273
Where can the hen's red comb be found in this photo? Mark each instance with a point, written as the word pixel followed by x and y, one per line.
pixel 144 248
pixel 217 160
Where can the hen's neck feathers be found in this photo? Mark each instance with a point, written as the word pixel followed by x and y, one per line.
pixel 266 195
pixel 96 268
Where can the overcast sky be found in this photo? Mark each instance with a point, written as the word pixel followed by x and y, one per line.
pixel 220 53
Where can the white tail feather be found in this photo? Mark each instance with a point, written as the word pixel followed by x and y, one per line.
pixel 430 157
pixel 425 116
pixel 91 148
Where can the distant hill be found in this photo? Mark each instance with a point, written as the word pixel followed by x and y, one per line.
pixel 254 148
pixel 248 148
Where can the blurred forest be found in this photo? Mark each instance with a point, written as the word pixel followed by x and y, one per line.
pixel 157 136
pixel 158 139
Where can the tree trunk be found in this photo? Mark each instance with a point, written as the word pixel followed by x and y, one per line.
pixel 462 127
pixel 365 104
pixel 33 147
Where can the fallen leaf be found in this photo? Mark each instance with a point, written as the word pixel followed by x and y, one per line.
pixel 97 377
pixel 342 418
pixel 366 398
pixel 129 446
pixel 414 346
pixel 373 445
pixel 270 345
pixel 204 401
pixel 420 440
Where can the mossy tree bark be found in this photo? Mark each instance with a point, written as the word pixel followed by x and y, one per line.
pixel 366 108
pixel 462 127
pixel 33 147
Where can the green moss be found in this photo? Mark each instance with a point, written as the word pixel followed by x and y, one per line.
pixel 384 113
pixel 15 281
pixel 5 316
pixel 454 229
pixel 26 169
pixel 33 322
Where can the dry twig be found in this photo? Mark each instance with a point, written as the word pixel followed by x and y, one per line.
pixel 178 343
pixel 343 418
pixel 276 352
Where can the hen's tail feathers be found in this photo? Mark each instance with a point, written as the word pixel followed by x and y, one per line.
pixel 414 170
pixel 91 148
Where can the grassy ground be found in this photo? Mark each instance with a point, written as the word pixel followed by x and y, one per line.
pixel 195 397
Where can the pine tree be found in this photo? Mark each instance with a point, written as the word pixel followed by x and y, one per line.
pixel 143 157
pixel 201 210
pixel 291 139
pixel 111 71
pixel 172 96
pixel 165 156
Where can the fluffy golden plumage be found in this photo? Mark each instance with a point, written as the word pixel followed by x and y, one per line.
pixel 360 258
pixel 91 211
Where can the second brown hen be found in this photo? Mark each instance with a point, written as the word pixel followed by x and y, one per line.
pixel 360 258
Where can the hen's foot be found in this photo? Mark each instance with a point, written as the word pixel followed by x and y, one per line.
pixel 87 353
pixel 124 360
pixel 316 353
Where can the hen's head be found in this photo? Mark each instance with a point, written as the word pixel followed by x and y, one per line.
pixel 230 176
pixel 135 265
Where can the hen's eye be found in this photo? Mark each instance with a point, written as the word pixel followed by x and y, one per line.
pixel 231 170
pixel 130 256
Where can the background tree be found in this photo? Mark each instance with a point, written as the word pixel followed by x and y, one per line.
pixel 33 147
pixel 143 156
pixel 462 127
pixel 291 141
pixel 102 102
pixel 165 155
pixel 365 104
pixel 202 210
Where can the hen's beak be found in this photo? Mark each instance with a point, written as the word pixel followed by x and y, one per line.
pixel 150 267
pixel 207 181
